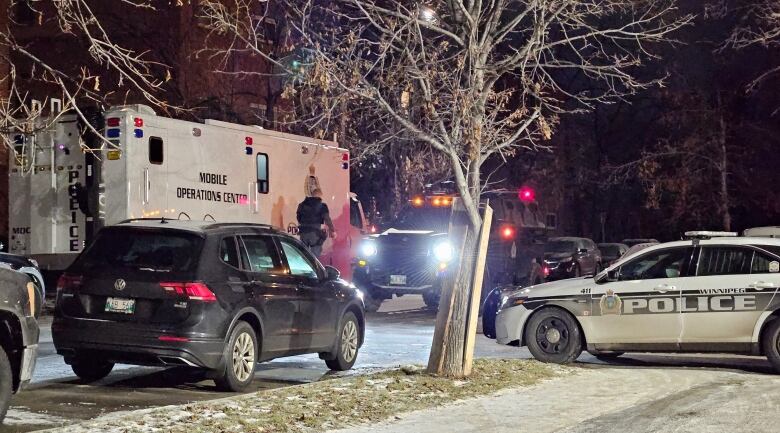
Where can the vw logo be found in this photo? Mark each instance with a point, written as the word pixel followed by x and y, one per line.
pixel 120 284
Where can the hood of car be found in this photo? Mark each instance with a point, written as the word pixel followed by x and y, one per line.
pixel 569 286
pixel 557 256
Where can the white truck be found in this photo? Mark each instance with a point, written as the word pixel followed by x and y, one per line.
pixel 151 166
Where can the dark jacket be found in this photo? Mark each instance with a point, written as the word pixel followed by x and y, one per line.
pixel 312 214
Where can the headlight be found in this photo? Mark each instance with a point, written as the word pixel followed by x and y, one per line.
pixel 368 249
pixel 443 252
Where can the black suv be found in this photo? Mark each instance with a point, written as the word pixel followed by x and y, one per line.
pixel 217 296
pixel 18 334
pixel 568 257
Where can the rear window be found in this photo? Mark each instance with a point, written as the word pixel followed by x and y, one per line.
pixel 144 251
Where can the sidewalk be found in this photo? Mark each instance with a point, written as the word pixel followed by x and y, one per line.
pixel 611 400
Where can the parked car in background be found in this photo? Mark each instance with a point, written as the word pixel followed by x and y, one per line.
pixel 214 296
pixel 18 334
pixel 569 257
pixel 636 248
pixel 611 252
pixel 632 242
pixel 763 232
pixel 30 268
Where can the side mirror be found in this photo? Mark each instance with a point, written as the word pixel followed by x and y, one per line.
pixel 583 251
pixel 332 273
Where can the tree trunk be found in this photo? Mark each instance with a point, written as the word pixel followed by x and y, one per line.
pixel 447 351
pixel 725 202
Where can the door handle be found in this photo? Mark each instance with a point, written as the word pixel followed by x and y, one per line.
pixel 663 288
pixel 145 198
pixel 761 285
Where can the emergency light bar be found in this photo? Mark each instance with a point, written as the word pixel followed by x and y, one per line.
pixel 704 234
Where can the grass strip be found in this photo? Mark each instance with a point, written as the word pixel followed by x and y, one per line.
pixel 333 403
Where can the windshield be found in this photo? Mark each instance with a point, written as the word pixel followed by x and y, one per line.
pixel 436 219
pixel 559 247
pixel 143 250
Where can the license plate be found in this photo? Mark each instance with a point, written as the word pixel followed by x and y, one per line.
pixel 119 305
pixel 398 279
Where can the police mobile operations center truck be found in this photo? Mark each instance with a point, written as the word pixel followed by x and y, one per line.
pixel 150 166
pixel 713 293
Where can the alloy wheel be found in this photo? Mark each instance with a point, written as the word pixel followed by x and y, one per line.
pixel 243 357
pixel 349 341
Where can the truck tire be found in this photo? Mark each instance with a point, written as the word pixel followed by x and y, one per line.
pixel 770 342
pixel 347 344
pixel 91 370
pixel 6 383
pixel 431 299
pixel 241 355
pixel 553 335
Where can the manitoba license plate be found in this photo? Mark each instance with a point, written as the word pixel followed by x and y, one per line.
pixel 119 305
pixel 398 279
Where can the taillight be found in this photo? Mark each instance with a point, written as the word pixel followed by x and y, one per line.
pixel 193 291
pixel 507 233
pixel 69 282
pixel 546 271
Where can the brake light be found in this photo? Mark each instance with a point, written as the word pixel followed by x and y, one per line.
pixel 69 282
pixel 193 291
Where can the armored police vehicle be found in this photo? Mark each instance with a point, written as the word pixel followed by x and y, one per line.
pixel 713 293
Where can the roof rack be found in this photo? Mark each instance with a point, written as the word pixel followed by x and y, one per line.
pixel 226 224
pixel 706 234
pixel 162 220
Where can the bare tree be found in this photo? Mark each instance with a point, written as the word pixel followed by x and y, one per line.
pixel 477 79
pixel 75 18
pixel 759 26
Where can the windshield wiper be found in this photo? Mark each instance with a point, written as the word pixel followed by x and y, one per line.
pixel 153 270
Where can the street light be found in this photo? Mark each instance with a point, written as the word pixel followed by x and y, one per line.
pixel 427 14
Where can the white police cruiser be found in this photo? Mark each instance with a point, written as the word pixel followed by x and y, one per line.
pixel 713 293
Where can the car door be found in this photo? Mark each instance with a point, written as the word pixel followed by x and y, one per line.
pixel 270 291
pixel 733 287
pixel 316 322
pixel 635 306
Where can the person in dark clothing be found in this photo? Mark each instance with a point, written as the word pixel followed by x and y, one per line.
pixel 312 214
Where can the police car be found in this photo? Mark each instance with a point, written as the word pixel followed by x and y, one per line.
pixel 713 293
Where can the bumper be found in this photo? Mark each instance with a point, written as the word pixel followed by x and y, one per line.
pixel 560 271
pixel 418 281
pixel 510 323
pixel 120 343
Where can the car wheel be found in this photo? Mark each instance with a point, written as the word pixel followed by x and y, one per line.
pixel 552 335
pixel 240 359
pixel 6 383
pixel 771 343
pixel 347 345
pixel 431 299
pixel 91 370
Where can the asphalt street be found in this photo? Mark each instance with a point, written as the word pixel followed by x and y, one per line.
pixel 399 334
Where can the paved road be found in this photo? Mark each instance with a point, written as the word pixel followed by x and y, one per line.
pixel 400 333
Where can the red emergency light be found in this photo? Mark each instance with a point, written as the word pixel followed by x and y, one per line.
pixel 112 122
pixel 526 194
pixel 248 141
pixel 138 122
pixel 508 232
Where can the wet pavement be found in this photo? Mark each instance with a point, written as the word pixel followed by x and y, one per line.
pixel 399 334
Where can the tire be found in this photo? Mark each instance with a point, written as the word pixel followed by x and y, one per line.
pixel 770 342
pixel 91 370
pixel 553 335
pixel 347 344
pixel 6 383
pixel 431 299
pixel 371 303
pixel 240 359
